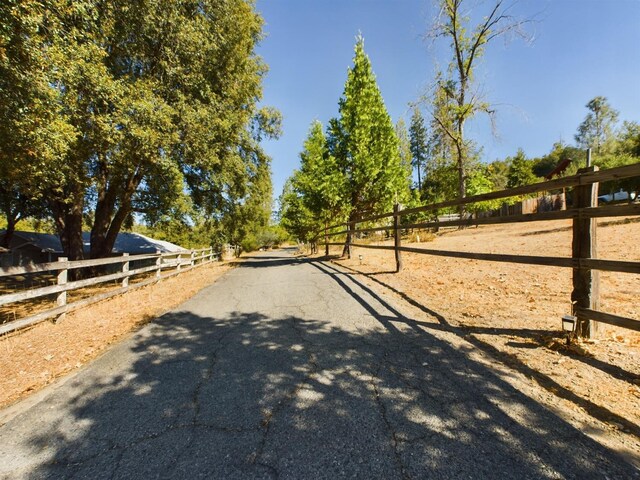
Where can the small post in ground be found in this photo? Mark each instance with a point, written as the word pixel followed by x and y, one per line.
pixel 397 236
pixel 158 264
pixel 125 270
pixel 61 299
pixel 326 239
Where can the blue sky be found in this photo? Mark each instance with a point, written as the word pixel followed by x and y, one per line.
pixel 581 48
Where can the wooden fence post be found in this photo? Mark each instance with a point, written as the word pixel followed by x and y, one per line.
pixel 193 258
pixel 350 227
pixel 326 239
pixel 125 269
pixel 158 265
pixel 61 299
pixel 586 282
pixel 397 236
pixel 210 254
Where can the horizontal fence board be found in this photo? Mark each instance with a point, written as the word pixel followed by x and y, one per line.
pixel 621 266
pixel 36 268
pixel 32 319
pixel 108 261
pixel 71 265
pixel 592 212
pixel 630 209
pixel 379 247
pixel 54 312
pixel 50 290
pixel 627 171
pixel 610 319
pixel 175 254
pixel 496 257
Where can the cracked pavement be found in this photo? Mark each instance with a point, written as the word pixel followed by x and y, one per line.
pixel 290 368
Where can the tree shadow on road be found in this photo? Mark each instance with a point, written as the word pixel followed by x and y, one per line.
pixel 251 396
pixel 597 411
pixel 529 333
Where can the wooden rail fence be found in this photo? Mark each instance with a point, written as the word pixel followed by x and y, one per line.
pixel 175 262
pixel 584 211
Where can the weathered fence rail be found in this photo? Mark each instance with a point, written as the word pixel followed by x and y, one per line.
pixel 171 263
pixel 584 211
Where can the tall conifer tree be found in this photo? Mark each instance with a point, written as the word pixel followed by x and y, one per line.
pixel 419 139
pixel 365 145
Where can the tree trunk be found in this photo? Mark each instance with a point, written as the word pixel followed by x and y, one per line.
pixel 104 234
pixel 68 220
pixel 107 225
pixel 101 223
pixel 9 231
pixel 346 252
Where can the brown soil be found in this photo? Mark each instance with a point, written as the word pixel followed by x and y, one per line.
pixel 512 312
pixel 34 358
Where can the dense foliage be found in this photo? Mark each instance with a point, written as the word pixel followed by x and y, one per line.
pixel 123 110
pixel 359 167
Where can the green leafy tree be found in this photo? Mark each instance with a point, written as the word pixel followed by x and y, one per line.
pixel 316 190
pixel 497 173
pixel 627 152
pixel 461 100
pixel 159 98
pixel 520 171
pixel 365 145
pixel 419 143
pixel 597 129
pixel 404 149
pixel 320 180
pixel 559 152
pixel 628 139
pixel 479 183
pixel 294 215
pixel 32 132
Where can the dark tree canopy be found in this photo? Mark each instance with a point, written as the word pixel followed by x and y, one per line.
pixel 140 102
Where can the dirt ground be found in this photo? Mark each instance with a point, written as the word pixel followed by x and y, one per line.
pixel 513 312
pixel 31 359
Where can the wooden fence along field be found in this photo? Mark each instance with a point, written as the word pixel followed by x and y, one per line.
pixel 584 212
pixel 153 266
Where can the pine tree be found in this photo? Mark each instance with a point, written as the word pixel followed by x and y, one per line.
pixel 365 145
pixel 596 130
pixel 418 136
pixel 404 149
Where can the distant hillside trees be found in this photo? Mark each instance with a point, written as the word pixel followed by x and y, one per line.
pixel 597 129
pixel 520 171
pixel 418 140
pixel 121 109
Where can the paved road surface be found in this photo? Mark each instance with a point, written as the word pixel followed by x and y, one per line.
pixel 286 368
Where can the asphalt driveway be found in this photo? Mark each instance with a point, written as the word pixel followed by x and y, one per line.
pixel 288 368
